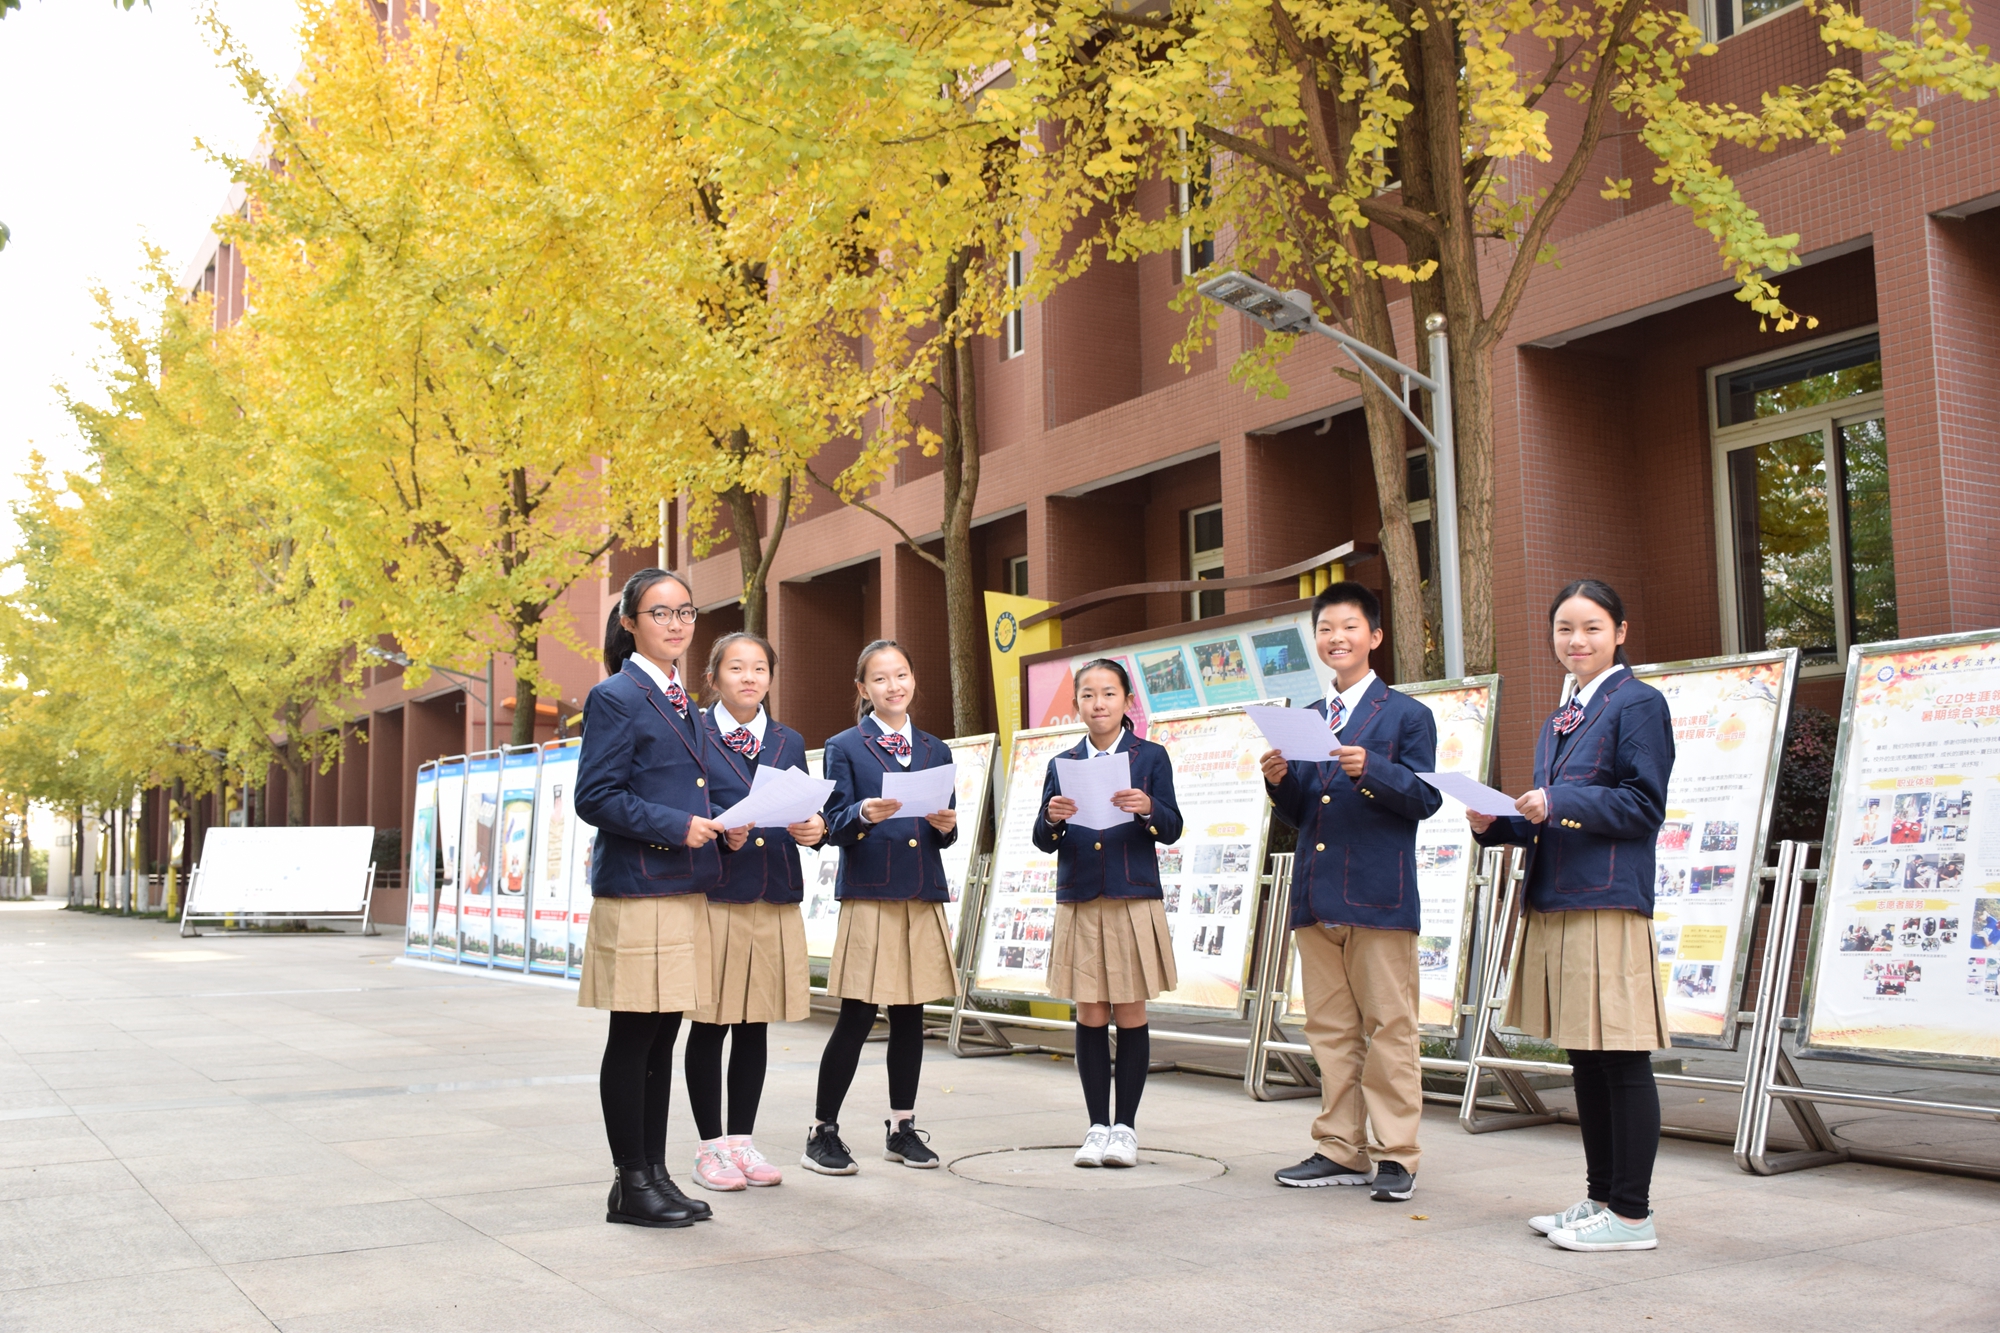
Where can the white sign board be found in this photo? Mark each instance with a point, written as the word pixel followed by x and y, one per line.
pixel 283 871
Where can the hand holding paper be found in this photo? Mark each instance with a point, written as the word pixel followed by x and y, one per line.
pixel 923 791
pixel 1300 734
pixel 1091 783
pixel 778 797
pixel 1477 796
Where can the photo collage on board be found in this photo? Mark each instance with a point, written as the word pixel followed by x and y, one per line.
pixel 1902 904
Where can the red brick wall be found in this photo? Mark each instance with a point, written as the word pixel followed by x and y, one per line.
pixel 822 627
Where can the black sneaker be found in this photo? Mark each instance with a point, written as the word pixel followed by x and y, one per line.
pixel 1319 1169
pixel 1392 1183
pixel 906 1144
pixel 826 1154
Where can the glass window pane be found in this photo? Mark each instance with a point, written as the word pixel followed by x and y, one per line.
pixel 1759 9
pixel 1208 530
pixel 1812 380
pixel 1417 483
pixel 1208 604
pixel 1784 557
pixel 1871 559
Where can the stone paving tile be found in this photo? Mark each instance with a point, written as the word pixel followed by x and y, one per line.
pixel 187 1300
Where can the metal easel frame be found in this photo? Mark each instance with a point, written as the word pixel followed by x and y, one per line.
pixel 218 920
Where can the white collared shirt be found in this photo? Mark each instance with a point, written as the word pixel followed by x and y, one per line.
pixel 1096 753
pixel 1350 699
pixel 908 732
pixel 652 669
pixel 1582 697
pixel 726 722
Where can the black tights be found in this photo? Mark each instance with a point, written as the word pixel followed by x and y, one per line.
pixel 634 1083
pixel 1094 1068
pixel 843 1055
pixel 703 1062
pixel 1618 1109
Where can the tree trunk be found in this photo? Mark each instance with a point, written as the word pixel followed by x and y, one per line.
pixel 754 556
pixel 524 626
pixel 1472 402
pixel 297 765
pixel 964 623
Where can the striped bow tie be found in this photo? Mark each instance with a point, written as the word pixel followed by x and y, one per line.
pixel 677 697
pixel 1569 719
pixel 741 741
pixel 1336 713
pixel 895 742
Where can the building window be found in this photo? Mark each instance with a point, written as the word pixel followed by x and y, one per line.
pixel 1417 490
pixel 1205 559
pixel 1017 575
pixel 1195 254
pixel 1802 489
pixel 1718 19
pixel 1014 328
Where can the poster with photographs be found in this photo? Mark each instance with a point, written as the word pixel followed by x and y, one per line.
pixel 476 858
pixel 583 841
pixel 1013 944
pixel 1447 857
pixel 423 864
pixel 1209 878
pixel 821 866
pixel 450 827
pixel 511 847
pixel 548 881
pixel 1729 731
pixel 1905 954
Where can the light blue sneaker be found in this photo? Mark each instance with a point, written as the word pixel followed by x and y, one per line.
pixel 1581 1211
pixel 1606 1231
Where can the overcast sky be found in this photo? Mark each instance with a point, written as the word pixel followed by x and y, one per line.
pixel 102 110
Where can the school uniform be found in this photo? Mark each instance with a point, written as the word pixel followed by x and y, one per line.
pixel 642 777
pixel 757 936
pixel 1111 941
pixel 1355 914
pixel 1586 971
pixel 893 945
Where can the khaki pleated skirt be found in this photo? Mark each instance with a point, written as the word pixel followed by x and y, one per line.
pixel 891 952
pixel 1112 951
pixel 1589 981
pixel 757 955
pixel 648 955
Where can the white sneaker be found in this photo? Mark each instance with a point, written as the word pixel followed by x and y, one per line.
pixel 1606 1231
pixel 1123 1149
pixel 1574 1215
pixel 1094 1144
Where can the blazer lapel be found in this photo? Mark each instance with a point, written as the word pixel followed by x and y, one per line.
pixel 1599 705
pixel 1364 712
pixel 882 757
pixel 668 715
pixel 714 729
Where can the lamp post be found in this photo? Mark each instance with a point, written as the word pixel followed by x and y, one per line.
pixel 1292 312
pixel 465 682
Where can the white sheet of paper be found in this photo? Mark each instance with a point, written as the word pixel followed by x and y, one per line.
pixel 1090 783
pixel 778 797
pixel 1478 797
pixel 1300 734
pixel 923 791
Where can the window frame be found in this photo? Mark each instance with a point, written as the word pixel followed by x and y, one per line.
pixel 1201 562
pixel 1014 325
pixel 1017 575
pixel 1828 419
pixel 1703 14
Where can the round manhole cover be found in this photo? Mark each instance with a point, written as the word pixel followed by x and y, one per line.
pixel 1052 1168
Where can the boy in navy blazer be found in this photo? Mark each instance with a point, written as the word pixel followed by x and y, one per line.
pixel 1355 909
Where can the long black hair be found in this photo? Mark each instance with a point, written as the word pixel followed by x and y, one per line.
pixel 862 708
pixel 618 641
pixel 1607 599
pixel 1124 682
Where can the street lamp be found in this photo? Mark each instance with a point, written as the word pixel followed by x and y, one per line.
pixel 465 682
pixel 1292 312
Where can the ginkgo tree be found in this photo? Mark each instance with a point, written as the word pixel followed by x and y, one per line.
pixel 1365 150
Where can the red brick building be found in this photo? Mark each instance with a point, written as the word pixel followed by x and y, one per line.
pixel 1648 432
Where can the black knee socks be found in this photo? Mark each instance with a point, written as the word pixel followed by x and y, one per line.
pixel 703 1062
pixel 1618 1110
pixel 634 1083
pixel 843 1055
pixel 1093 1067
pixel 1135 1057
pixel 906 1054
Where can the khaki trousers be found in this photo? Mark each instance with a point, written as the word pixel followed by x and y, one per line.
pixel 1361 1022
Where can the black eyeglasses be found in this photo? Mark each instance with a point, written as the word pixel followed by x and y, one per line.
pixel 662 614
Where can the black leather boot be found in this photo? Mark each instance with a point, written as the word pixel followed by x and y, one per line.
pixel 636 1201
pixel 664 1183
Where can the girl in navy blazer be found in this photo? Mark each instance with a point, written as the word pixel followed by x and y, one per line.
pixel 893 947
pixel 1112 950
pixel 1587 976
pixel 642 782
pixel 757 936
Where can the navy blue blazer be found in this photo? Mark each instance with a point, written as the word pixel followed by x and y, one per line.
pixel 766 868
pixel 897 858
pixel 642 775
pixel 1607 790
pixel 1115 862
pixel 1356 863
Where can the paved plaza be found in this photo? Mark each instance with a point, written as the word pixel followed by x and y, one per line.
pixel 298 1132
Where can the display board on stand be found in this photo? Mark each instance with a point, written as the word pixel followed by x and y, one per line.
pixel 548 894
pixel 312 874
pixel 512 846
pixel 476 856
pixel 450 827
pixel 423 864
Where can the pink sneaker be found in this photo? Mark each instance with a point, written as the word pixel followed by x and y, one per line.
pixel 750 1163
pixel 715 1169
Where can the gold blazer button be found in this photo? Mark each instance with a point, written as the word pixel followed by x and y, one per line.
pixel 701 782
pixel 1098 846
pixel 760 842
pixel 1319 846
pixel 1326 800
pixel 913 842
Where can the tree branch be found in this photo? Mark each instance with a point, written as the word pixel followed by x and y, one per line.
pixel 1250 148
pixel 867 508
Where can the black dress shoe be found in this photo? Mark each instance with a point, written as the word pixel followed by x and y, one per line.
pixel 1393 1184
pixel 1319 1169
pixel 664 1183
pixel 636 1201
